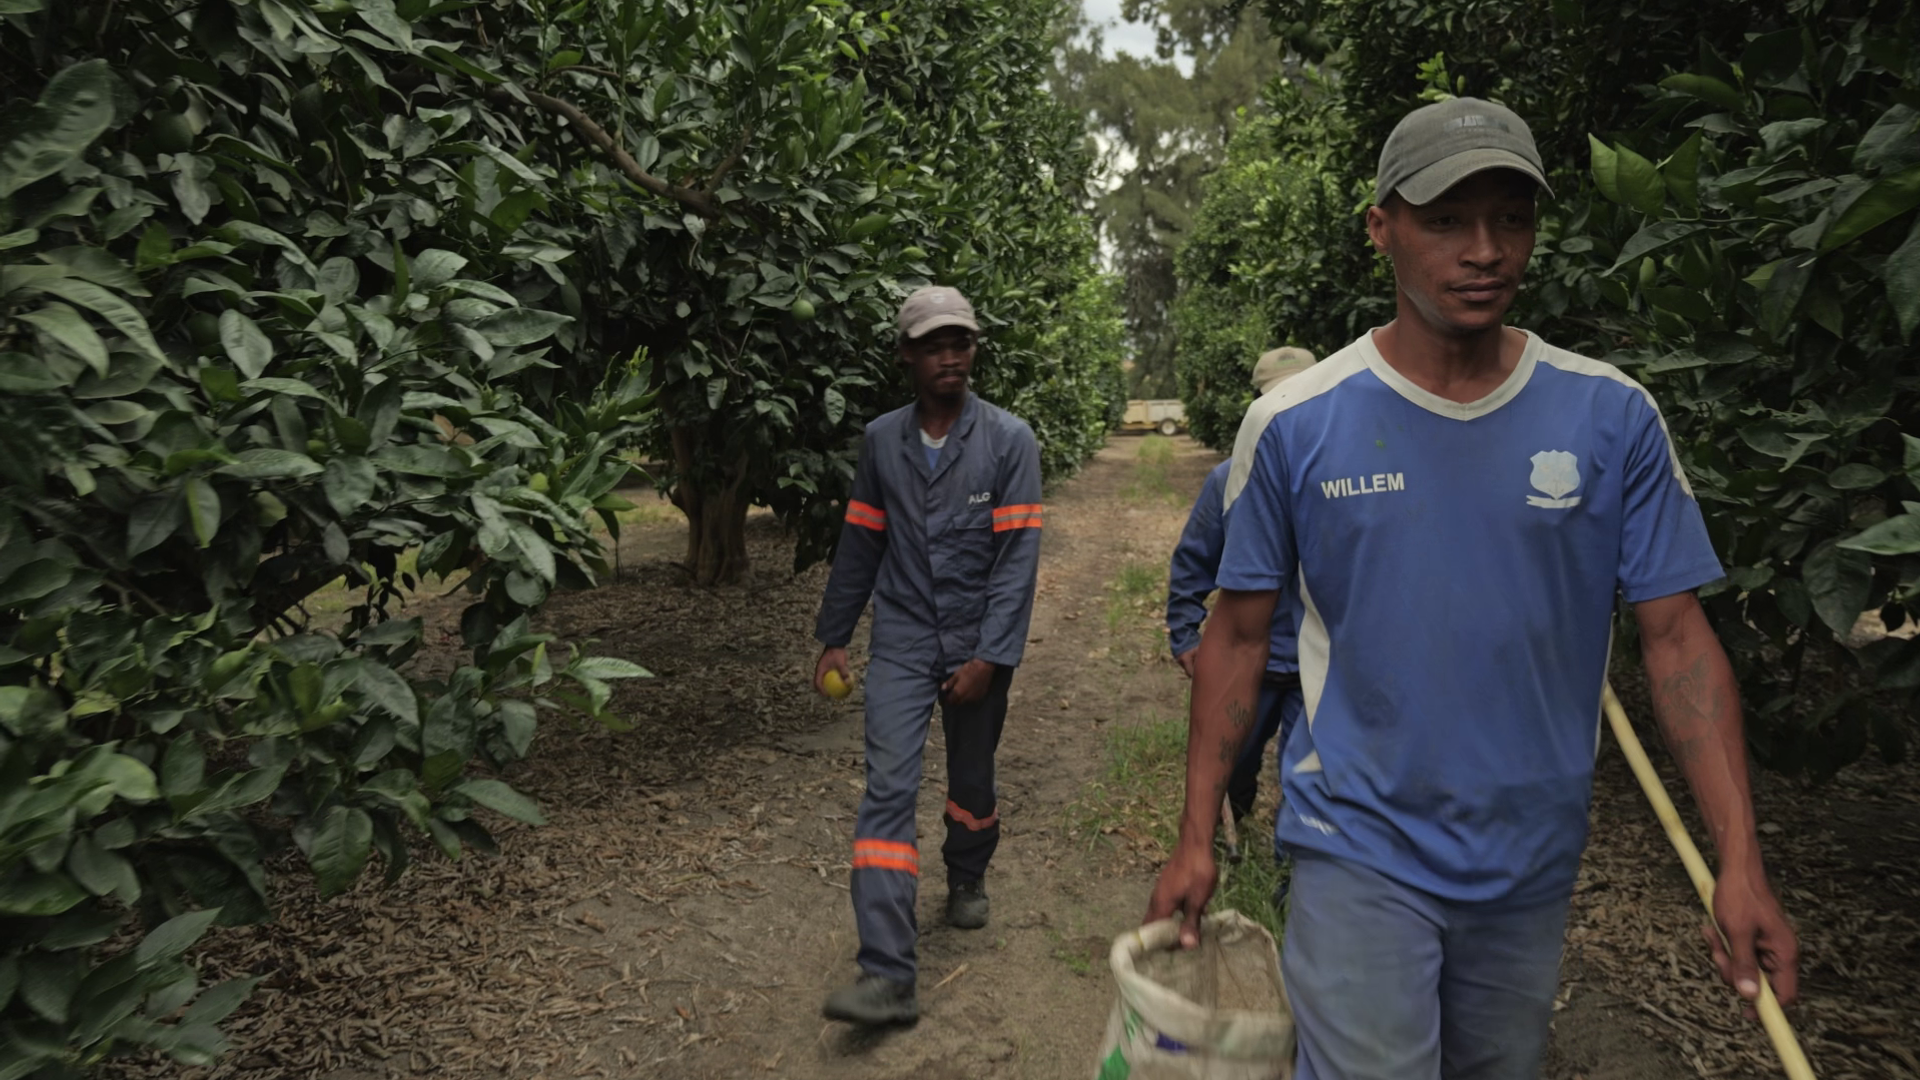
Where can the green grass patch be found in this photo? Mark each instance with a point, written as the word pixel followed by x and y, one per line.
pixel 1133 809
pixel 1136 594
pixel 1149 482
pixel 1156 450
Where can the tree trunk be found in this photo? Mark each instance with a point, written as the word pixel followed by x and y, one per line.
pixel 716 509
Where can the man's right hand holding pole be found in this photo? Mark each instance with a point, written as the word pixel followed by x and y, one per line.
pixel 1226 689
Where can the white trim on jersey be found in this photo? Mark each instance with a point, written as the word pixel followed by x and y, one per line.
pixel 1316 660
pixel 1309 384
pixel 1575 364
pixel 1508 389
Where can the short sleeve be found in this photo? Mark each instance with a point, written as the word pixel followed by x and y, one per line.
pixel 1664 547
pixel 1260 553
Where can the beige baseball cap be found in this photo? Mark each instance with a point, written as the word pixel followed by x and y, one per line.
pixel 1437 146
pixel 1276 365
pixel 932 307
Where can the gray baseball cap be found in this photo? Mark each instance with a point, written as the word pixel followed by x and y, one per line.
pixel 932 307
pixel 1437 146
pixel 1277 365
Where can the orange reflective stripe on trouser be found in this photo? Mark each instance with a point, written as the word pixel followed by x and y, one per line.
pixel 1024 516
pixel 886 855
pixel 866 515
pixel 972 823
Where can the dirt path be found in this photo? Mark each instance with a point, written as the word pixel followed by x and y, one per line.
pixel 685 910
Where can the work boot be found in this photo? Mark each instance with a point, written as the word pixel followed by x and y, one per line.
pixel 873 1001
pixel 967 904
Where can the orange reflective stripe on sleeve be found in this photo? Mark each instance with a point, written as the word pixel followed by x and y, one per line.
pixel 1025 516
pixel 886 855
pixel 866 516
pixel 972 823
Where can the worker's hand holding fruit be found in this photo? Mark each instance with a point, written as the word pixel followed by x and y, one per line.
pixel 831 676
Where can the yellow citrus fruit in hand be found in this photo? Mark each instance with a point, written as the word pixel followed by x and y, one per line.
pixel 836 686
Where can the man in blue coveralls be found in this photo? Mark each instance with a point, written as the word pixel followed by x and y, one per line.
pixel 1459 504
pixel 943 532
pixel 1191 579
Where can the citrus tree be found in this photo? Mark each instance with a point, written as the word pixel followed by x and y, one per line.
pixel 273 297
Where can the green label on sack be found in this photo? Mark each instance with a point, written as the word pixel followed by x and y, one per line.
pixel 1116 1066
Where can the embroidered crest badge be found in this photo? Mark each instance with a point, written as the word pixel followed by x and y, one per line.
pixel 1556 472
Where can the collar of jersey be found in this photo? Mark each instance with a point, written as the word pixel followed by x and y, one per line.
pixel 1439 406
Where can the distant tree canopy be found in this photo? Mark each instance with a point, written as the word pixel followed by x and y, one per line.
pixel 1734 223
pixel 1164 131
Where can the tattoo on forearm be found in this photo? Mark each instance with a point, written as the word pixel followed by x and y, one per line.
pixel 1690 705
pixel 1240 715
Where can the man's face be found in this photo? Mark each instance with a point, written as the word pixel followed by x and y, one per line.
pixel 1459 258
pixel 940 361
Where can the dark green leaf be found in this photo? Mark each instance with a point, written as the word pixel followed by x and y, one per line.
pixel 518 724
pixel 1855 477
pixel 245 343
pixel 219 1002
pixel 119 314
pixel 1893 143
pixel 1901 273
pixel 66 326
pixel 1653 238
pixel 520 326
pixel 502 799
pixel 27 893
pixel 1606 169
pixel 262 463
pixel 1837 582
pixel 1888 198
pixel 340 848
pixel 203 509
pixel 102 872
pixel 388 691
pixel 75 108
pixel 609 667
pixel 349 483
pixel 1640 183
pixel 173 937
pixel 1681 173
pixel 154 518
pixel 1894 536
pixel 1706 88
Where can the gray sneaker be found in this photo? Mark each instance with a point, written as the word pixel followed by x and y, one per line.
pixel 967 905
pixel 873 1001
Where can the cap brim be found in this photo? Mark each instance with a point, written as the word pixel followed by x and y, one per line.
pixel 927 326
pixel 1433 181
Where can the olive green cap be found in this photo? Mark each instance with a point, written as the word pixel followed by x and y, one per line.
pixel 1436 146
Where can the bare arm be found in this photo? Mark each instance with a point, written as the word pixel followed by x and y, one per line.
pixel 1697 704
pixel 1226 689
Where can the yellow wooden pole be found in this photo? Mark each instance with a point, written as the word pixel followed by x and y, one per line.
pixel 1771 1016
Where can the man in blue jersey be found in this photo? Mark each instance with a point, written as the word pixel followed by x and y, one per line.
pixel 1459 503
pixel 942 532
pixel 1191 578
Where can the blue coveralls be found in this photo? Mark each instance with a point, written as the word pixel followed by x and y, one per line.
pixel 1190 580
pixel 949 555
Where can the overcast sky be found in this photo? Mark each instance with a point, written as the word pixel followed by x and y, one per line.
pixel 1121 35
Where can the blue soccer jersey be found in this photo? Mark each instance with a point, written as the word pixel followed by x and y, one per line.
pixel 1458 565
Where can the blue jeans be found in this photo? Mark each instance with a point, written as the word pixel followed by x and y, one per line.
pixel 1391 983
